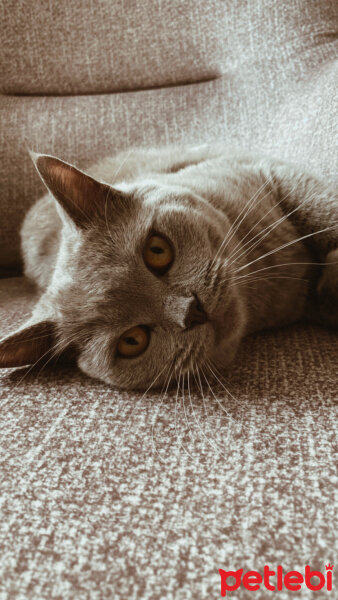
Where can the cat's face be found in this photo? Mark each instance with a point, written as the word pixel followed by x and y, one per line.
pixel 143 296
pixel 136 290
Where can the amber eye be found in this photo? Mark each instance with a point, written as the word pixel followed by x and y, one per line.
pixel 134 341
pixel 158 253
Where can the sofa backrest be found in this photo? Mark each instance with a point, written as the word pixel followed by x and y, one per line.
pixel 104 46
pixel 262 73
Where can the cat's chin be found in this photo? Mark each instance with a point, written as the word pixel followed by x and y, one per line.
pixel 223 355
pixel 229 330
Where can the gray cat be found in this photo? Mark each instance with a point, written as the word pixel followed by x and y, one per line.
pixel 160 261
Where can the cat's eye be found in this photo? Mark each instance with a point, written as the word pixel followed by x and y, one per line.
pixel 158 253
pixel 134 341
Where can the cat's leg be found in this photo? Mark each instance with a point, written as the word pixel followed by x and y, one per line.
pixel 329 279
pixel 312 206
pixel 40 240
pixel 324 308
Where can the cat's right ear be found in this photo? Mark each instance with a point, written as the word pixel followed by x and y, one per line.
pixel 28 345
pixel 82 198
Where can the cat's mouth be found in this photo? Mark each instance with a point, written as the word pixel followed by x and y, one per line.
pixel 189 358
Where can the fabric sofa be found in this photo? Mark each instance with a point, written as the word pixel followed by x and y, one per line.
pixel 108 494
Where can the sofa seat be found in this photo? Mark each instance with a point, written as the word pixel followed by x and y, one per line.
pixel 118 494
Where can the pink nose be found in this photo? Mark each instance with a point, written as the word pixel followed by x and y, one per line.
pixel 196 314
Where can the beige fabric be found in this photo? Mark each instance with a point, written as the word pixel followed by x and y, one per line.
pixel 111 495
pixel 100 47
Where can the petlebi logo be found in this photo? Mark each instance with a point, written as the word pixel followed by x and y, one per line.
pixel 277 579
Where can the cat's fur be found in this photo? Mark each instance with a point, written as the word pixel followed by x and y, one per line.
pixel 84 250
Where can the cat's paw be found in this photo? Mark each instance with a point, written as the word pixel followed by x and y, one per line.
pixel 327 291
pixel 328 283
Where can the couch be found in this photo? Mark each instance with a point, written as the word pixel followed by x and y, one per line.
pixel 108 494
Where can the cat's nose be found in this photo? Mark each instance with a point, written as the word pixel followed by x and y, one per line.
pixel 196 314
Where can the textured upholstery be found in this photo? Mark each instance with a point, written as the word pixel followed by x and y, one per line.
pixel 114 495
pixel 92 47
pixel 105 494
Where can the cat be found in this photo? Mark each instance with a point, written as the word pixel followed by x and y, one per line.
pixel 163 260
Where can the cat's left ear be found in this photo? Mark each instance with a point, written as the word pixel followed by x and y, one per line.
pixel 29 344
pixel 83 198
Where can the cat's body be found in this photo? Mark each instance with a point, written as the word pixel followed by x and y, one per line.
pixel 232 225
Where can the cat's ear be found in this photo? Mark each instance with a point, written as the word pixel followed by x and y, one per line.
pixel 27 345
pixel 83 198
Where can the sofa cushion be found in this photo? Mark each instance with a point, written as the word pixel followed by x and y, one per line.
pixel 108 494
pixel 101 47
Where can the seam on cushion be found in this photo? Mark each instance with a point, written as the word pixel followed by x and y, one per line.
pixel 119 91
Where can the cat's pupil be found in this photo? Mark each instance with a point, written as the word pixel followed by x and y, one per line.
pixel 131 341
pixel 156 249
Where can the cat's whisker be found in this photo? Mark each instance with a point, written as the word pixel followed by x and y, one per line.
pixel 106 215
pixel 185 414
pixel 176 402
pixel 252 205
pixel 215 398
pixel 267 278
pixel 140 400
pixel 59 346
pixel 137 403
pixel 211 444
pixel 176 413
pixel 240 246
pixel 320 264
pixel 162 397
pixel 249 279
pixel 212 369
pixel 122 163
pixel 238 221
pixel 286 245
pixel 268 180
pixel 56 352
pixel 237 280
pixel 261 235
pixel 199 384
pixel 216 375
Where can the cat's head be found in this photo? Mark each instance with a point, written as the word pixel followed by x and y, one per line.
pixel 138 290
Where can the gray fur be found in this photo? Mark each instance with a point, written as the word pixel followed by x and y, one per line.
pixel 95 285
